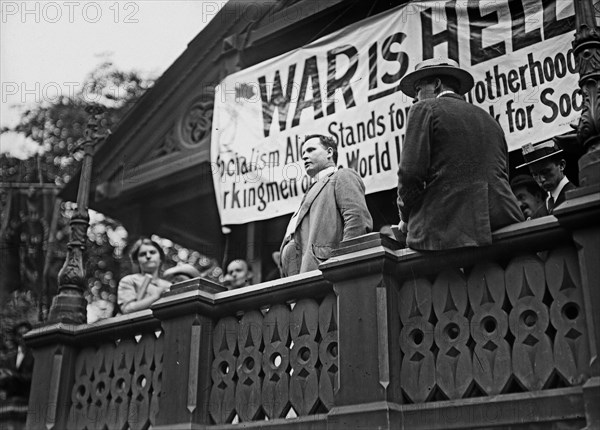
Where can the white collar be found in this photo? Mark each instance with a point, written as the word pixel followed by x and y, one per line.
pixel 443 93
pixel 324 173
pixel 564 181
pixel 20 356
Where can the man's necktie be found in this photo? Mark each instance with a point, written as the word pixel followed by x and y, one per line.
pixel 550 204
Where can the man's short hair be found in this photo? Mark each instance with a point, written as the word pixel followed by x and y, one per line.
pixel 241 260
pixel 447 81
pixel 326 142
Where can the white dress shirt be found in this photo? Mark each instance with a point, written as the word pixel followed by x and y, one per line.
pixel 555 193
pixel 291 228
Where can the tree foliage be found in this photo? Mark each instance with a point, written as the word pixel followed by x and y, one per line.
pixel 58 126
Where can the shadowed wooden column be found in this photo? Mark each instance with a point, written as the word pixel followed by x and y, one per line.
pixel 188 355
pixel 368 393
pixel 51 382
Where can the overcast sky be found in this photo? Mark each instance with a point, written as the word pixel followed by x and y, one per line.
pixel 50 46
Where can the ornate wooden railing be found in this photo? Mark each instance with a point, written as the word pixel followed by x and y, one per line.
pixel 273 365
pixel 491 329
pixel 102 376
pixel 117 384
pixel 379 337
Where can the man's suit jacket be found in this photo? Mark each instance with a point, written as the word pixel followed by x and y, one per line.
pixel 333 210
pixel 540 212
pixel 453 188
pixel 562 195
pixel 17 381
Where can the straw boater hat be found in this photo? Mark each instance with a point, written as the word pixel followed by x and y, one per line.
pixel 534 152
pixel 436 67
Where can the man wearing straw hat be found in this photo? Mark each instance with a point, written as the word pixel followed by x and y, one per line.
pixel 453 188
pixel 547 167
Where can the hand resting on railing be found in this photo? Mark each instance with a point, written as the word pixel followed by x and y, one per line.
pixel 138 291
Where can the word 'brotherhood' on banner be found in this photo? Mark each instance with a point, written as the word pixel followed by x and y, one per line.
pixel 346 85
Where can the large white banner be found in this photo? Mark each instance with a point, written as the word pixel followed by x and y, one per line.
pixel 346 85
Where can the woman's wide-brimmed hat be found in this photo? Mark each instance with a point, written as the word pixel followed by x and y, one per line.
pixel 182 269
pixel 437 67
pixel 534 152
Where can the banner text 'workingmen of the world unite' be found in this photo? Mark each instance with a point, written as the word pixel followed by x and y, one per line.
pixel 346 85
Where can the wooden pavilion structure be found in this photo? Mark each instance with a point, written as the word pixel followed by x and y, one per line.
pixel 503 336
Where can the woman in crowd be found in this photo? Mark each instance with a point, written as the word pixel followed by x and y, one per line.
pixel 139 290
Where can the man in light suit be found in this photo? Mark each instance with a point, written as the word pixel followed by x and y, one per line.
pixel 453 188
pixel 547 166
pixel 333 209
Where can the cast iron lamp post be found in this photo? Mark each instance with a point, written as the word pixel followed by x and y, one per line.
pixel 70 304
pixel 586 47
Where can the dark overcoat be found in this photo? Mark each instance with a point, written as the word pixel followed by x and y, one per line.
pixel 562 196
pixel 453 188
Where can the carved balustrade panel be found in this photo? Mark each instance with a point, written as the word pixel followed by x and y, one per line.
pixel 493 329
pixel 454 373
pixel 116 383
pixel 249 365
pixel 156 379
pixel 222 393
pixel 571 349
pixel 304 384
pixel 417 371
pixel 532 355
pixel 276 363
pixel 328 350
pixel 121 384
pixel 102 362
pixel 489 326
pixel 141 383
pixel 82 389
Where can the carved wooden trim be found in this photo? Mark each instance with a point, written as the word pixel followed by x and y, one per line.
pixel 55 378
pixel 523 324
pixel 192 394
pixel 382 334
pixel 277 364
pixel 194 126
pixel 168 146
pixel 117 384
pixel 417 372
